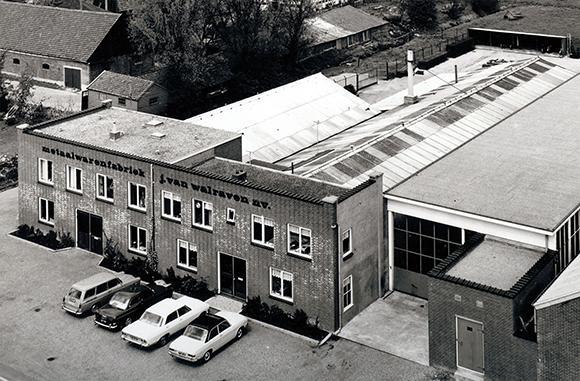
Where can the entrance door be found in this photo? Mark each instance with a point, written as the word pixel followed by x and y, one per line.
pixel 72 78
pixel 469 344
pixel 232 276
pixel 90 232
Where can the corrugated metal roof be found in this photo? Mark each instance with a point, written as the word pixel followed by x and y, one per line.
pixel 400 144
pixel 566 287
pixel 284 120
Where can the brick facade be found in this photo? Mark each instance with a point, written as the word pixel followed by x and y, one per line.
pixel 558 328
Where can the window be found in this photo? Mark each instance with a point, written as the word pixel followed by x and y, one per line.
pixel 105 190
pixel 183 310
pixel 137 195
pixel 213 333
pixel 137 239
pixel 263 230
pixel 281 284
pixel 46 66
pixel 202 213
pixel 45 171
pixel 74 179
pixel 16 61
pixel 346 242
pixel 121 101
pixel 172 316
pixel 568 242
pixel 46 211
pixel 114 283
pixel 153 101
pixel 102 288
pixel 347 301
pixel 90 293
pixel 186 255
pixel 299 240
pixel 171 205
pixel 231 216
pixel 223 326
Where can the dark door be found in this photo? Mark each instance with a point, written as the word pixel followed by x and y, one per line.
pixel 470 344
pixel 232 276
pixel 72 78
pixel 90 232
pixel 85 100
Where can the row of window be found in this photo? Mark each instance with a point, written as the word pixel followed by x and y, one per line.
pixel 123 101
pixel 16 61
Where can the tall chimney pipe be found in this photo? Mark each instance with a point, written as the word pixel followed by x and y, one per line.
pixel 410 98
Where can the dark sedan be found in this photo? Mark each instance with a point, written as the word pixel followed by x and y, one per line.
pixel 127 306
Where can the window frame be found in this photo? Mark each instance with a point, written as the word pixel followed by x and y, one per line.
pixel 46 221
pixel 350 250
pixel 189 246
pixel 16 61
pixel 121 101
pixel 203 224
pixel 45 66
pixel 350 293
pixel 263 241
pixel 133 206
pixel 77 171
pixel 40 171
pixel 153 101
pixel 298 251
pixel 173 197
pixel 136 250
pixel 231 220
pixel 281 294
pixel 105 197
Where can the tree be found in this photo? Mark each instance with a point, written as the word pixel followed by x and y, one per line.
pixel 422 13
pixel 484 7
pixel 19 96
pixel 3 88
pixel 290 27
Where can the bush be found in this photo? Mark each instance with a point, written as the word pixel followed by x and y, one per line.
pixel 484 7
pixel 188 285
pixel 422 13
pixel 52 240
pixel 455 9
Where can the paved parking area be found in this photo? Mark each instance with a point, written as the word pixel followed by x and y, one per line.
pixel 38 341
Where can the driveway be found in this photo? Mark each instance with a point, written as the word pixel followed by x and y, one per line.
pixel 41 342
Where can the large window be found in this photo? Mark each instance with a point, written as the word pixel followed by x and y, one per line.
pixel 346 243
pixel 46 211
pixel 568 241
pixel 137 239
pixel 171 205
pixel 299 240
pixel 45 171
pixel 186 255
pixel 420 245
pixel 262 230
pixel 74 179
pixel 137 196
pixel 202 213
pixel 105 189
pixel 281 284
pixel 347 300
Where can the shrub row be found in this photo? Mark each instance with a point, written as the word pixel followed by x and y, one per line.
pixel 52 240
pixel 298 321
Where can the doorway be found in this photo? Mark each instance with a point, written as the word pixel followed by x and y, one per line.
pixel 469 344
pixel 72 78
pixel 90 232
pixel 232 274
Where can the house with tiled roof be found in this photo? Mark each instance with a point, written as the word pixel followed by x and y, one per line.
pixel 132 93
pixel 62 47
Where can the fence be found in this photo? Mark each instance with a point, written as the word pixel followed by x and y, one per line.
pixel 358 80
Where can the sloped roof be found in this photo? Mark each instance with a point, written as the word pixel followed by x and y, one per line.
pixel 564 288
pixel 121 85
pixel 53 32
pixel 281 121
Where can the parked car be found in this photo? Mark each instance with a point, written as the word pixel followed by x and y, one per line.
pixel 91 293
pixel 162 320
pixel 206 334
pixel 127 306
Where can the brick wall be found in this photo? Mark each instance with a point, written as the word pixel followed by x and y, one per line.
pixel 506 357
pixel 558 330
pixel 96 98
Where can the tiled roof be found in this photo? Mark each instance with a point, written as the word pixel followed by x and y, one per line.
pixel 54 32
pixel 121 85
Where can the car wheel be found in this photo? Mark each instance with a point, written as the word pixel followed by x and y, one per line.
pixel 207 356
pixel 163 341
pixel 128 321
pixel 95 307
pixel 240 333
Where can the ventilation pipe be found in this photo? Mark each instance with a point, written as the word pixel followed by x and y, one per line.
pixel 411 97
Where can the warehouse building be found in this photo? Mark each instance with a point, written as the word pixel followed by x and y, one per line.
pixel 148 182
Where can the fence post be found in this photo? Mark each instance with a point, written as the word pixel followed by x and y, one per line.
pixel 387 67
pixel 396 67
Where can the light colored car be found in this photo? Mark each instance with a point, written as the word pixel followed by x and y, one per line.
pixel 91 293
pixel 162 320
pixel 206 334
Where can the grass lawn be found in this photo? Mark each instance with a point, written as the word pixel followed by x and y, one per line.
pixel 8 143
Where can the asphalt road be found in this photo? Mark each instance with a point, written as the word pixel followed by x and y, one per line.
pixel 39 341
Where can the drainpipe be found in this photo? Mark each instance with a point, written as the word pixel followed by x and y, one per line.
pixel 391 239
pixel 338 277
pixel 152 187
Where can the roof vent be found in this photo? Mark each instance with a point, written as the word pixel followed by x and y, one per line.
pixel 154 122
pixel 158 135
pixel 241 175
pixel 115 135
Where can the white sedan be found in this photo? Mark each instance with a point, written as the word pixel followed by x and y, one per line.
pixel 162 320
pixel 206 334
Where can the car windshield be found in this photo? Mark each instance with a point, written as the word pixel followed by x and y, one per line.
pixel 195 332
pixel 74 293
pixel 120 301
pixel 151 318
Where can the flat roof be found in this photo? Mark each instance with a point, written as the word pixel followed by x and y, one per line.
pixel 273 179
pixel 525 170
pixel 174 140
pixel 564 288
pixel 496 262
